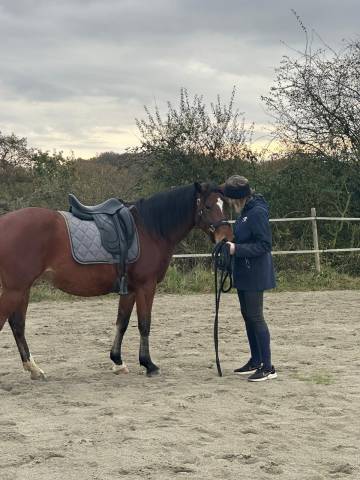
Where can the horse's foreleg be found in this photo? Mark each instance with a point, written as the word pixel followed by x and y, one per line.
pixel 144 301
pixel 126 304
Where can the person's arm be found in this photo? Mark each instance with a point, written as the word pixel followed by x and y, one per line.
pixel 261 232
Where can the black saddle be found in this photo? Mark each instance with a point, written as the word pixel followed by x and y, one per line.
pixel 110 207
pixel 117 231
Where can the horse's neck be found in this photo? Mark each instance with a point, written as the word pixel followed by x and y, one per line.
pixel 178 233
pixel 169 216
pixel 182 232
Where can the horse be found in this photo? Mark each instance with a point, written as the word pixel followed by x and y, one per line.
pixel 34 244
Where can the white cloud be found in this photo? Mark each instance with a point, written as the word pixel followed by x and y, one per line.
pixel 74 74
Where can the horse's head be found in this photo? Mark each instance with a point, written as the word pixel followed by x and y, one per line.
pixel 210 215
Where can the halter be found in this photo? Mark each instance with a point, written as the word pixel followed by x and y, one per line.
pixel 214 226
pixel 211 226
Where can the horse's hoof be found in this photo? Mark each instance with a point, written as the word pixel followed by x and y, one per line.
pixel 153 373
pixel 118 369
pixel 35 372
pixel 38 375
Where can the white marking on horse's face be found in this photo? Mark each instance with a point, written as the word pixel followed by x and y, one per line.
pixel 220 204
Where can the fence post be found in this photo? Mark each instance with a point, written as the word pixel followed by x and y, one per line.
pixel 315 239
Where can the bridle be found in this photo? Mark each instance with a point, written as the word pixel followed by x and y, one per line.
pixel 212 227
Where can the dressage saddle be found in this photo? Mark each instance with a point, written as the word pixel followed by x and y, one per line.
pixel 109 207
pixel 117 230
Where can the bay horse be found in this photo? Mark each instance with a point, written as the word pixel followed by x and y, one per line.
pixel 34 243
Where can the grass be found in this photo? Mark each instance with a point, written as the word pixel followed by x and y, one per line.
pixel 200 279
pixel 327 279
pixel 44 291
pixel 196 280
pixel 317 378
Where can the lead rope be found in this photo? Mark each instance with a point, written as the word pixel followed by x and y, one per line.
pixel 222 262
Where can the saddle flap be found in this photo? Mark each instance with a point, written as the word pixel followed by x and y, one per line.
pixel 128 224
pixel 112 237
pixel 117 232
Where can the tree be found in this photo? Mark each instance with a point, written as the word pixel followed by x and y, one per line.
pixel 315 101
pixel 52 176
pixel 14 152
pixel 190 142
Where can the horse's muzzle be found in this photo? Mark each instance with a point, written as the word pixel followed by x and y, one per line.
pixel 222 231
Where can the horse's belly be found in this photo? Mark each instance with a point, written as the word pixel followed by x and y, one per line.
pixel 82 280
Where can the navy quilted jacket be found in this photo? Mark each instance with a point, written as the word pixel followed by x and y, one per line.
pixel 253 264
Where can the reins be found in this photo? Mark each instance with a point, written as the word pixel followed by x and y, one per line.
pixel 222 264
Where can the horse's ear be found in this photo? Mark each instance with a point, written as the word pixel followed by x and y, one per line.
pixel 221 188
pixel 198 187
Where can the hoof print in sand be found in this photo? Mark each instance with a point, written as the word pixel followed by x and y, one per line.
pixel 272 468
pixel 342 468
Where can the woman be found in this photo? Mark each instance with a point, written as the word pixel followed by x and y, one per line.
pixel 253 272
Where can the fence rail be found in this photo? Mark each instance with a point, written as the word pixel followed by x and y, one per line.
pixel 315 251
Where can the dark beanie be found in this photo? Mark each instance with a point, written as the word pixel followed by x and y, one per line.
pixel 240 191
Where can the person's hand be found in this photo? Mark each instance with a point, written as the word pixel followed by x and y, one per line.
pixel 231 247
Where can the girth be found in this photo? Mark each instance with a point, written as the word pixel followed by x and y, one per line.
pixel 117 230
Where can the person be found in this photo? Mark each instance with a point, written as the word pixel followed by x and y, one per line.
pixel 253 272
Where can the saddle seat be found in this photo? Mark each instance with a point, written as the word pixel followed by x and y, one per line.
pixel 109 207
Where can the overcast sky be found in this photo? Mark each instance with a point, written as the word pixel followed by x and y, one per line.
pixel 74 74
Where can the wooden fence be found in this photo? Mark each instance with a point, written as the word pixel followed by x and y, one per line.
pixel 314 251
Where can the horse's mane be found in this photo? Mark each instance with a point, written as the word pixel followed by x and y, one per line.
pixel 163 212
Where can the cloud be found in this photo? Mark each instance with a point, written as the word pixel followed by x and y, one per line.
pixel 75 67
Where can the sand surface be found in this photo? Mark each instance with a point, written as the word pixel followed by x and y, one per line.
pixel 86 423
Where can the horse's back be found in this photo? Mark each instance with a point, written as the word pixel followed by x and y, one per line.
pixel 29 225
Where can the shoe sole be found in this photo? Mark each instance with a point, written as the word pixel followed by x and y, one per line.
pixel 245 373
pixel 268 377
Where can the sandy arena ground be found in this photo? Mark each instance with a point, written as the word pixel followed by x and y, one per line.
pixel 86 423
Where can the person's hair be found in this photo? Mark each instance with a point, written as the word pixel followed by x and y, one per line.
pixel 238 183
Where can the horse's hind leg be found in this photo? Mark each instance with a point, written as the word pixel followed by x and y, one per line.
pixel 10 300
pixel 17 324
pixel 126 304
